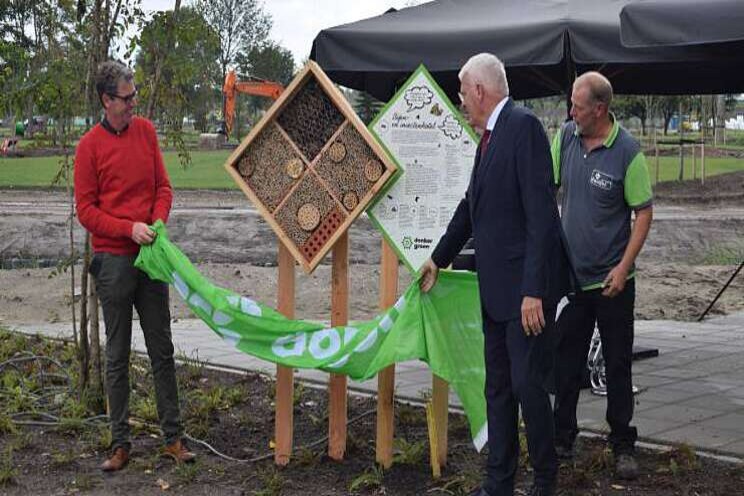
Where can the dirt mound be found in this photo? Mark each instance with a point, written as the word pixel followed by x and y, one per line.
pixel 722 188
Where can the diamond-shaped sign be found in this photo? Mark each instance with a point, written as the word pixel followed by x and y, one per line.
pixel 310 166
pixel 435 148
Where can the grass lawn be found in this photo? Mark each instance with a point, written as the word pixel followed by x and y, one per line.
pixel 669 167
pixel 207 172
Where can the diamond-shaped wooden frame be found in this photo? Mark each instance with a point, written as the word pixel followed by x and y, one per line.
pixel 360 159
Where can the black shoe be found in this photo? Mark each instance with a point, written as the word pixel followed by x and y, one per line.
pixel 564 452
pixel 626 467
pixel 536 490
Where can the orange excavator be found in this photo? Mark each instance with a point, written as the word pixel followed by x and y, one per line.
pixel 254 86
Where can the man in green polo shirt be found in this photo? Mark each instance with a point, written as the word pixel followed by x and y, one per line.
pixel 604 178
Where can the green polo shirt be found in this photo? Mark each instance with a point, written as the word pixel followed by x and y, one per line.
pixel 600 190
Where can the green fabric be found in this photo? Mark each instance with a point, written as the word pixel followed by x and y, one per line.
pixel 637 182
pixel 442 328
pixel 555 152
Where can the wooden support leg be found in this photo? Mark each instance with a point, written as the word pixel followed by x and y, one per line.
pixel 386 377
pixel 284 422
pixel 339 316
pixel 436 415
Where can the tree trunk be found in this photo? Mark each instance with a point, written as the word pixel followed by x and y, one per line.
pixel 155 86
pixel 720 119
pixel 68 174
pixel 95 342
pixel 84 345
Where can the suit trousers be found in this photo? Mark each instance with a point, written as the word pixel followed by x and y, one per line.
pixel 516 369
pixel 121 286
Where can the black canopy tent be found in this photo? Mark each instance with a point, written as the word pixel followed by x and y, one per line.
pixel 717 24
pixel 543 43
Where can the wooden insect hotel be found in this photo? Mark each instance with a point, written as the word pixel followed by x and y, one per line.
pixel 310 166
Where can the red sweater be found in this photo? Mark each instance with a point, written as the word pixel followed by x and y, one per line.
pixel 120 180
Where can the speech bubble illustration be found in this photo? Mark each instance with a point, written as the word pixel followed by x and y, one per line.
pixel 451 127
pixel 418 97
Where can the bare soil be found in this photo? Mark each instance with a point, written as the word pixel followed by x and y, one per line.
pixel 692 250
pixel 64 459
pixel 719 189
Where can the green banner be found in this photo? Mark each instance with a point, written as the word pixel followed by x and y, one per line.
pixel 441 328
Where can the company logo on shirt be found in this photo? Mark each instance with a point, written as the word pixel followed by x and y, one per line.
pixel 600 180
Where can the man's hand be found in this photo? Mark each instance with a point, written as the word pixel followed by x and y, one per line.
pixel 141 234
pixel 614 283
pixel 429 272
pixel 533 320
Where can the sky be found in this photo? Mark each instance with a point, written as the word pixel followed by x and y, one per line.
pixel 297 22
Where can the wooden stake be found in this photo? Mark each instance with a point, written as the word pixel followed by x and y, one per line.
pixel 702 163
pixel 339 316
pixel 657 164
pixel 386 377
pixel 694 161
pixel 436 467
pixel 284 422
pixel 440 402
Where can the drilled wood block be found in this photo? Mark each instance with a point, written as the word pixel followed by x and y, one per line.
pixel 308 217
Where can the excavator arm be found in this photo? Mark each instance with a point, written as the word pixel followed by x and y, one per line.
pixel 257 87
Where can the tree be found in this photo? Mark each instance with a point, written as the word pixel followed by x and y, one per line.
pixel 271 62
pixel 101 22
pixel 176 66
pixel 627 106
pixel 268 61
pixel 241 25
pixel 669 106
pixel 366 106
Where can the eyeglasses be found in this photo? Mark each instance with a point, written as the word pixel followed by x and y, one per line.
pixel 126 98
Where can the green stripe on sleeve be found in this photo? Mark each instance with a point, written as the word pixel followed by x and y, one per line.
pixel 555 152
pixel 637 182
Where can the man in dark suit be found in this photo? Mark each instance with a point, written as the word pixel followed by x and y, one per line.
pixel 511 213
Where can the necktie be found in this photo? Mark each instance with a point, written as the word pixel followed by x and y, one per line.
pixel 484 142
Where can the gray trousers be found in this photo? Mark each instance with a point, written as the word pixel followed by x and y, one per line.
pixel 121 286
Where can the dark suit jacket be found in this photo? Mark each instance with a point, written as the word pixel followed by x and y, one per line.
pixel 511 212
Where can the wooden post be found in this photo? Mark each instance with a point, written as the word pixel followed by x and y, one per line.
pixel 339 316
pixel 702 163
pixel 694 161
pixel 440 405
pixel 283 420
pixel 681 175
pixel 656 144
pixel 436 468
pixel 386 377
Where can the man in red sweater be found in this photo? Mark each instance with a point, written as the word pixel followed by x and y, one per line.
pixel 121 186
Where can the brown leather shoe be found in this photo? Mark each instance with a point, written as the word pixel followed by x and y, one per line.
pixel 178 451
pixel 118 461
